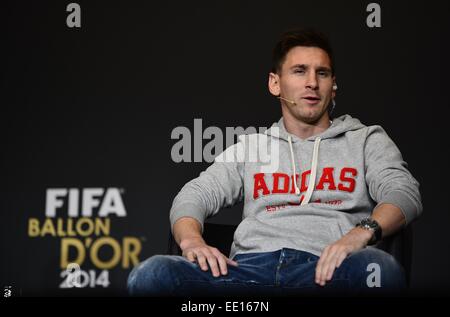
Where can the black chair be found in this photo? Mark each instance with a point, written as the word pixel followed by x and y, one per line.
pixel 400 246
pixel 221 237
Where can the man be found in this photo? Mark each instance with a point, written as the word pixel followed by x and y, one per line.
pixel 336 188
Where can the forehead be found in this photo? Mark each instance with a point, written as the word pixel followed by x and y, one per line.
pixel 313 56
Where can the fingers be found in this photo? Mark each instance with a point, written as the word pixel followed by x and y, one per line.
pixel 322 266
pixel 334 254
pixel 210 258
pixel 222 265
pixel 331 258
pixel 221 259
pixel 190 256
pixel 201 260
pixel 328 273
pixel 340 259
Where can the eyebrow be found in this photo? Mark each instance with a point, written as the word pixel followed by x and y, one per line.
pixel 320 68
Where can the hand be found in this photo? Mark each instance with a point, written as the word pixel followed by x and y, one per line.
pixel 334 254
pixel 196 250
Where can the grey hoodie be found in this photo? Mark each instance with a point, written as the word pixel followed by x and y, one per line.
pixel 349 169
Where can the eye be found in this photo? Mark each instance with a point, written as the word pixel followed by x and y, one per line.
pixel 323 73
pixel 299 71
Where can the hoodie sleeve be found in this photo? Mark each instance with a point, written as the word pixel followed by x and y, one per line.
pixel 220 185
pixel 387 176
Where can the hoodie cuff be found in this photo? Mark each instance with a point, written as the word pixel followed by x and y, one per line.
pixel 186 209
pixel 402 201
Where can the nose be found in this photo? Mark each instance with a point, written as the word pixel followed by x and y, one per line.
pixel 311 81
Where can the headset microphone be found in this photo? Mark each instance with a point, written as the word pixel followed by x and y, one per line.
pixel 290 101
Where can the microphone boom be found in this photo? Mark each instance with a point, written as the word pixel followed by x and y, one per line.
pixel 290 101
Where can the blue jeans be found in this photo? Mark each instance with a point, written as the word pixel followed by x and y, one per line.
pixel 282 272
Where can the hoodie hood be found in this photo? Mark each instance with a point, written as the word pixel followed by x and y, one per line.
pixel 339 126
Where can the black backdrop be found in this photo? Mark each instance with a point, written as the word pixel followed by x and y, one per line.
pixel 94 107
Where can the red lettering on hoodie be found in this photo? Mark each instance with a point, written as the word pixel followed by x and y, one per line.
pixel 259 184
pixel 304 188
pixel 351 180
pixel 347 182
pixel 276 183
pixel 327 177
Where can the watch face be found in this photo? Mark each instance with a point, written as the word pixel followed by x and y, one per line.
pixel 367 222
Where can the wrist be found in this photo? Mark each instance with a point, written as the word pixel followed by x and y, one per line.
pixel 370 225
pixel 365 235
pixel 189 242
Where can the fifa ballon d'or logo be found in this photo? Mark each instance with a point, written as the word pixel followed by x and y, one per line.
pixel 86 239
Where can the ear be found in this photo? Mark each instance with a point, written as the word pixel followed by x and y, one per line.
pixel 274 84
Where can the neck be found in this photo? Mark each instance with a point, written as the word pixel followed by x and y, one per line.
pixel 304 130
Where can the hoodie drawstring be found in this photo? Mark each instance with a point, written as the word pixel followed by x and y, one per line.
pixel 297 190
pixel 312 178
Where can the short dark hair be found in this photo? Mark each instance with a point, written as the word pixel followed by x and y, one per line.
pixel 299 37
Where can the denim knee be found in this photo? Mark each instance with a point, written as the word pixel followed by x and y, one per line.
pixel 373 268
pixel 150 276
